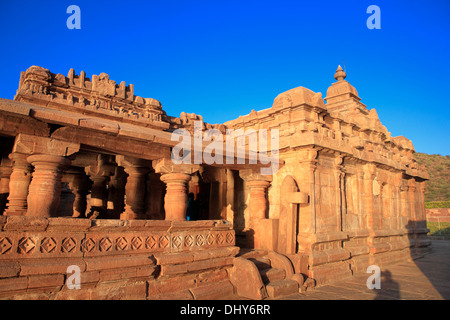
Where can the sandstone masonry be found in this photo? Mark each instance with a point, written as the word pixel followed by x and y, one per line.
pixel 87 179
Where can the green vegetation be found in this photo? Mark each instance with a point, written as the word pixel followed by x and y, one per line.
pixel 438 187
pixel 437 204
pixel 438 229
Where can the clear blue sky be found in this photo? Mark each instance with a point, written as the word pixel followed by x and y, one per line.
pixel 221 59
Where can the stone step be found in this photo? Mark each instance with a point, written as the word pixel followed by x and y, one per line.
pixel 251 254
pixel 281 288
pixel 272 274
pixel 261 263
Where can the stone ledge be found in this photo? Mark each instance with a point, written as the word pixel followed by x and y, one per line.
pixel 196 266
pixel 186 257
pixel 26 223
pixel 214 291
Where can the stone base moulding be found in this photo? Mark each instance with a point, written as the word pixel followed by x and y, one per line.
pixel 117 258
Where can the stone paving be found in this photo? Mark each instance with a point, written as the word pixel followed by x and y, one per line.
pixel 426 278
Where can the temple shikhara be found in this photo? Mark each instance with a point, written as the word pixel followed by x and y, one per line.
pixel 88 180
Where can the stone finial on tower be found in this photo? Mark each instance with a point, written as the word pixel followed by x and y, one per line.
pixel 340 74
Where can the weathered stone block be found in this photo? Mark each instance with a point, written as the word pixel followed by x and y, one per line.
pixel 173 258
pixel 9 269
pixel 178 295
pixel 114 262
pixel 164 285
pixel 46 266
pixel 208 277
pixel 218 290
pixel 46 280
pixel 25 223
pixel 246 279
pixel 281 288
pixel 13 284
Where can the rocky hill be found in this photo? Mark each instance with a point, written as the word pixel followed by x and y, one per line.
pixel 438 187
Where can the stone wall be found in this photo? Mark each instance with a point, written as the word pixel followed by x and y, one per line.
pixel 347 194
pixel 133 259
pixel 438 215
pixel 360 192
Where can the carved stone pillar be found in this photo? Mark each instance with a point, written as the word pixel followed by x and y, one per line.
pixel 45 188
pixel 176 178
pixel 135 193
pixel 5 172
pixel 48 158
pixel 412 201
pixel 257 185
pixel 18 185
pixel 175 201
pixel 258 198
pixel 339 175
pixel 155 197
pixel 135 187
pixel 308 165
pixel 116 193
pixel 260 233
pixel 98 194
pixel 369 196
pixel 79 184
pixel 99 174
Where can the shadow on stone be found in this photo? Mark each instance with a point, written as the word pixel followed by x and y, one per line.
pixel 389 289
pixel 432 258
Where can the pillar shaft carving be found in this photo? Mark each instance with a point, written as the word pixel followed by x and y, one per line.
pixel 79 184
pixel 45 187
pixel 135 188
pixel 258 198
pixel 155 198
pixel 176 178
pixel 135 193
pixel 99 174
pixel 116 193
pixel 18 185
pixel 257 185
pixel 175 201
pixel 5 173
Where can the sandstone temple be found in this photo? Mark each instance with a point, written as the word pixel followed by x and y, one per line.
pixel 88 182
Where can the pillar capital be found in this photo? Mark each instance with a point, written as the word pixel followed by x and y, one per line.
pixel 308 155
pixel 126 161
pixel 103 167
pixel 250 175
pixel 50 161
pixel 175 177
pixel 139 171
pixel 19 160
pixel 258 184
pixel 165 165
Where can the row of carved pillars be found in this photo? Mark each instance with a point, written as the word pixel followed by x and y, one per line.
pixel 34 186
